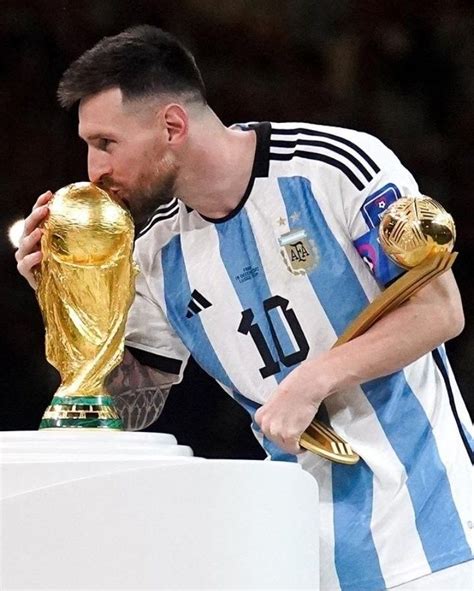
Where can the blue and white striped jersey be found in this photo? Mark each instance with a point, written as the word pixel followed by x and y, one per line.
pixel 252 295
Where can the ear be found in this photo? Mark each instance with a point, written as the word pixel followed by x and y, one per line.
pixel 176 120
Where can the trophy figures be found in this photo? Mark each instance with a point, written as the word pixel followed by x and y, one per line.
pixel 417 233
pixel 85 288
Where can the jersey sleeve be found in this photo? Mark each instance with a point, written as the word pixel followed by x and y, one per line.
pixel 364 210
pixel 149 336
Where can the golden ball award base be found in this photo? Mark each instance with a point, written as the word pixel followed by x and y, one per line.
pixel 417 233
pixel 85 289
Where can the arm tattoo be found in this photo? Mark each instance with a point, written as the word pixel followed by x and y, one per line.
pixel 139 392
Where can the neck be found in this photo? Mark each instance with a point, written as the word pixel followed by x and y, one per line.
pixel 216 166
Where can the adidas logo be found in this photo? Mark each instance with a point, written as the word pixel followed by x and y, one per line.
pixel 197 304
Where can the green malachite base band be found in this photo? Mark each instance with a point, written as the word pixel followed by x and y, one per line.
pixel 81 424
pixel 82 412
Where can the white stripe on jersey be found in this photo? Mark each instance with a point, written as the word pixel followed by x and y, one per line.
pixel 369 439
pixel 239 358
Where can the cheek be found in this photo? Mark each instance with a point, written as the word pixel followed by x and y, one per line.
pixel 129 167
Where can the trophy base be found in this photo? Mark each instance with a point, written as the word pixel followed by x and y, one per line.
pixel 81 412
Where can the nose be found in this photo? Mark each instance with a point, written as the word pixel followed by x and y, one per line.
pixel 98 165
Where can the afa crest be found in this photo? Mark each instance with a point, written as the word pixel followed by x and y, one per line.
pixel 298 251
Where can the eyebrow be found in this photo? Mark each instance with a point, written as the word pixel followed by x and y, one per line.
pixel 93 136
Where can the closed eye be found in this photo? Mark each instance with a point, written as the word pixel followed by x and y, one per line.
pixel 103 143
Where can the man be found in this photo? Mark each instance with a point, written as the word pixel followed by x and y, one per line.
pixel 253 251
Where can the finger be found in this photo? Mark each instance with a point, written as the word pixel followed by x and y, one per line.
pixel 26 266
pixel 43 199
pixel 295 447
pixel 29 244
pixel 290 446
pixel 34 219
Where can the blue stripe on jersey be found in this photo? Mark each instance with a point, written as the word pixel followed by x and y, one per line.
pixel 437 518
pixel 238 252
pixel 340 309
pixel 273 450
pixel 355 554
pixel 191 331
pixel 298 197
pixel 432 513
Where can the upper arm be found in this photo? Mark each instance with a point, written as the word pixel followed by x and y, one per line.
pixel 133 375
pixel 362 210
pixel 154 357
pixel 441 302
pixel 149 334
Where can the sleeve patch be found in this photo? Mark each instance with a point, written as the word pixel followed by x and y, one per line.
pixel 376 204
pixel 371 252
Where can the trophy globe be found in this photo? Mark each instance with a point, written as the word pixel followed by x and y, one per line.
pixel 414 229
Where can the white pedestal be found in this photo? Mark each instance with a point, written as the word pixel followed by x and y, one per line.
pixel 93 510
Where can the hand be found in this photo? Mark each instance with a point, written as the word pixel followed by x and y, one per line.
pixel 292 406
pixel 29 254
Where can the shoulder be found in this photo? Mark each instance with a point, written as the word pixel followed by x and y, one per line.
pixel 354 155
pixel 300 133
pixel 160 228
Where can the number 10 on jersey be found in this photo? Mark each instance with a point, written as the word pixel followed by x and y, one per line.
pixel 280 340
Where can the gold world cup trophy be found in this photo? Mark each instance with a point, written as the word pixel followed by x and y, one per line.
pixel 418 234
pixel 85 289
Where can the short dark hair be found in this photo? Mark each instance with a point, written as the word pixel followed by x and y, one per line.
pixel 142 61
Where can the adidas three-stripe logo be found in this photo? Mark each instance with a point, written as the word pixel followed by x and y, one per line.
pixel 329 148
pixel 197 304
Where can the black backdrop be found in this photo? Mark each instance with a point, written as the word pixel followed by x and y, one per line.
pixel 400 70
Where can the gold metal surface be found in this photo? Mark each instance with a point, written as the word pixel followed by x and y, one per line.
pixel 58 412
pixel 418 234
pixel 85 287
pixel 397 293
pixel 415 228
pixel 323 441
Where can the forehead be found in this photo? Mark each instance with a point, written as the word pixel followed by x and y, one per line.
pixel 105 112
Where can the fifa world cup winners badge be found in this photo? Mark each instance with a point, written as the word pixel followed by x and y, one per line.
pixel 298 251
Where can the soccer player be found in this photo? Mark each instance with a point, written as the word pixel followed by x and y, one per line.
pixel 257 249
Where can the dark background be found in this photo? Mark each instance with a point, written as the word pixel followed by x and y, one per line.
pixel 400 70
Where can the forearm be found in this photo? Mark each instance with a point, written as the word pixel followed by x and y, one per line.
pixel 420 325
pixel 139 392
pixel 429 318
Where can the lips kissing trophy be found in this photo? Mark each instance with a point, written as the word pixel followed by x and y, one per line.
pixel 418 234
pixel 85 289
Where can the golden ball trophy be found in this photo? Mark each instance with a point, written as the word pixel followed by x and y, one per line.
pixel 418 234
pixel 85 289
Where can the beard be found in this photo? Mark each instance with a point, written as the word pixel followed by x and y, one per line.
pixel 149 192
pixel 144 200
